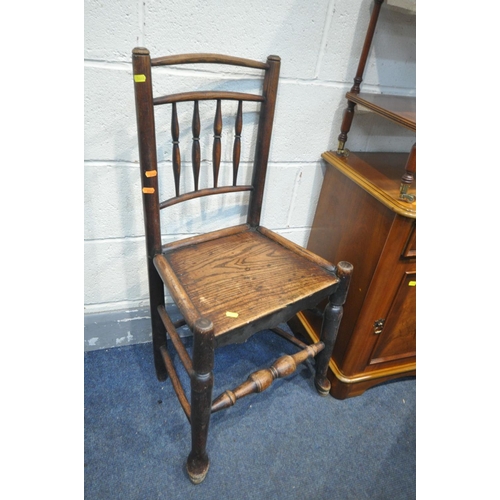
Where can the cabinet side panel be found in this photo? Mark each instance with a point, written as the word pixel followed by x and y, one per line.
pixel 349 225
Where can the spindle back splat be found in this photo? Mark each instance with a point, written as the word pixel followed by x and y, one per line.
pixel 266 99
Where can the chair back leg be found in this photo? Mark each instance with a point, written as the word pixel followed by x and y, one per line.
pixel 157 298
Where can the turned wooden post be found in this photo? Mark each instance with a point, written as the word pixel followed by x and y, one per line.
pixel 149 181
pixel 409 176
pixel 377 4
pixel 330 327
pixel 201 398
pixel 263 145
pixel 349 111
pixel 345 127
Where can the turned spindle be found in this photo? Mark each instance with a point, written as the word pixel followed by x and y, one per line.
pixel 237 142
pixel 176 154
pixel 217 145
pixel 260 380
pixel 196 155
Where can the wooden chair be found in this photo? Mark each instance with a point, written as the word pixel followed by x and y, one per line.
pixel 230 283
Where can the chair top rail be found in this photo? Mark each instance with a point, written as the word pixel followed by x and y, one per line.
pixel 207 58
pixel 206 95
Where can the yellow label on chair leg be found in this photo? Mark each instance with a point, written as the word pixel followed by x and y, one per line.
pixel 412 283
pixel 148 190
pixel 139 78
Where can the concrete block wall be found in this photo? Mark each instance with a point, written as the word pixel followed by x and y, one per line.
pixel 319 42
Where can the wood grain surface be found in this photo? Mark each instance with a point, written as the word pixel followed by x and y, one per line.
pixel 246 274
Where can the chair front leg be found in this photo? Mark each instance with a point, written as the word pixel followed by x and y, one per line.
pixel 330 327
pixel 201 399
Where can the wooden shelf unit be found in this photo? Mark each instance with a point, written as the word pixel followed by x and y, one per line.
pixel 366 214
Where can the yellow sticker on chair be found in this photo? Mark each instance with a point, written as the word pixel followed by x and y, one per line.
pixel 139 78
pixel 412 283
pixel 230 314
pixel 148 190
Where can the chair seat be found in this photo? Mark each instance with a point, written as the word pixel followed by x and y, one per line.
pixel 237 279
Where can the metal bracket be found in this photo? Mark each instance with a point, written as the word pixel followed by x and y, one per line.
pixel 378 326
pixel 403 193
pixel 342 150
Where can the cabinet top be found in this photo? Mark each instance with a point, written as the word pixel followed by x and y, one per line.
pixel 379 174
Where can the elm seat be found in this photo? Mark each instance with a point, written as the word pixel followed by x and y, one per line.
pixel 243 278
pixel 230 283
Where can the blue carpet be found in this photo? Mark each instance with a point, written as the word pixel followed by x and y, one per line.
pixel 285 443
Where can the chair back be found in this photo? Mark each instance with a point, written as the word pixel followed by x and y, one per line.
pixel 147 103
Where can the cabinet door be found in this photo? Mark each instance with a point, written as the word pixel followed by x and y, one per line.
pixel 397 334
pixel 385 333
